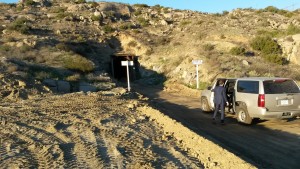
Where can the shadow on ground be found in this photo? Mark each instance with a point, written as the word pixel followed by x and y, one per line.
pixel 264 144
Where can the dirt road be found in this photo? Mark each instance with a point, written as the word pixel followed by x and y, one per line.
pixel 109 129
pixel 266 144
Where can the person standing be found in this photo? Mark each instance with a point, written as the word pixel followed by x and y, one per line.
pixel 220 99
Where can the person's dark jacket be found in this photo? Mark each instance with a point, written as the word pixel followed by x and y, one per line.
pixel 220 95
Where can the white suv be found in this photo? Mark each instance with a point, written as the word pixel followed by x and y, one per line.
pixel 258 97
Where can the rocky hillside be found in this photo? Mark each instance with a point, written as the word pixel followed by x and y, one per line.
pixel 72 41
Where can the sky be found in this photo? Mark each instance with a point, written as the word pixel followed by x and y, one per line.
pixel 210 6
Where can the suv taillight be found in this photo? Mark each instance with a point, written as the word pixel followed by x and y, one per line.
pixel 261 100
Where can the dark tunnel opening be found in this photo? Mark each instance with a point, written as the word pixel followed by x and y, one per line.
pixel 119 72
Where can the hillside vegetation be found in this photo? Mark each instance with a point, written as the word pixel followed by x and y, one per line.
pixel 73 41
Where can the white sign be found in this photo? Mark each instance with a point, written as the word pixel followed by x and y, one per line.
pixel 127 63
pixel 197 62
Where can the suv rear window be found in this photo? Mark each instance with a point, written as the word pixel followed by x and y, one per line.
pixel 280 86
pixel 247 87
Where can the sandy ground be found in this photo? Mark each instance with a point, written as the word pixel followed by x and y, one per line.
pixel 111 129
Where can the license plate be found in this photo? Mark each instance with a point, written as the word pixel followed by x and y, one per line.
pixel 284 102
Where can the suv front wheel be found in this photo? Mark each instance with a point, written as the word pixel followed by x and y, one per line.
pixel 243 115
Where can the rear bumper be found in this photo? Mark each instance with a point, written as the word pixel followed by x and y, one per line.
pixel 264 114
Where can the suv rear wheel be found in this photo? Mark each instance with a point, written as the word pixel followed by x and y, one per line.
pixel 243 115
pixel 204 105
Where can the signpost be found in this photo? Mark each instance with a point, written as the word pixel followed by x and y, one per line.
pixel 127 63
pixel 197 63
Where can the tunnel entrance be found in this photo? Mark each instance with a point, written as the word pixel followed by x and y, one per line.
pixel 119 72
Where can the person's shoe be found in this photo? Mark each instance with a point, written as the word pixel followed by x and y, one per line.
pixel 222 122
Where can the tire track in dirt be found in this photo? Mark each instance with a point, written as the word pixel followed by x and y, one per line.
pixel 93 130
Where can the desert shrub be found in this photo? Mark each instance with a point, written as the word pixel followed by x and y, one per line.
pixel 132 44
pixel 162 40
pixel 93 4
pixel 266 45
pixel 137 12
pixel 63 47
pixel 149 52
pixel 271 9
pixel 96 18
pixel 19 8
pixel 29 2
pixel 77 62
pixel 142 21
pixel 25 48
pixel 237 51
pixel 108 29
pixel 141 5
pixel 185 23
pixel 80 38
pixel 58 10
pixel 274 58
pixel 62 15
pixel 292 30
pixel 202 85
pixel 289 39
pixel 125 26
pixel 80 1
pixel 12 68
pixel 208 47
pixel 225 12
pixel 5 48
pixel 273 33
pixel 20 25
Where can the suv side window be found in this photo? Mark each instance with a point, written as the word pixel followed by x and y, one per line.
pixel 248 87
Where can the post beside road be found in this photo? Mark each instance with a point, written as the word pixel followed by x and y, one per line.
pixel 197 63
pixel 127 63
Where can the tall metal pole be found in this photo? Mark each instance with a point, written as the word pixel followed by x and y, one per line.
pixel 197 76
pixel 128 81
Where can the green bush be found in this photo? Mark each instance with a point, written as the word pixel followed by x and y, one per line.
pixel 142 21
pixel 237 51
pixel 25 48
pixel 5 48
pixel 271 9
pixel 141 5
pixel 62 15
pixel 29 2
pixel 292 30
pixel 80 1
pixel 20 25
pixel 108 29
pixel 184 23
pixel 126 26
pixel 269 48
pixel 63 47
pixel 96 18
pixel 137 12
pixel 266 45
pixel 93 4
pixel 77 62
pixel 274 58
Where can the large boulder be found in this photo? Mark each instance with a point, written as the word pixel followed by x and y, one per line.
pixel 291 48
